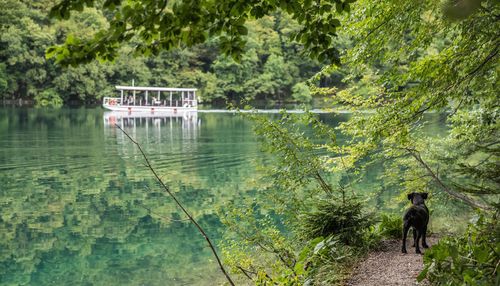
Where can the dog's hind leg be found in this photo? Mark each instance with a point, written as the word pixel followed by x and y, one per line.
pixel 406 227
pixel 417 248
pixel 424 236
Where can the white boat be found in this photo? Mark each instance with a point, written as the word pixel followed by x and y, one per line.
pixel 152 100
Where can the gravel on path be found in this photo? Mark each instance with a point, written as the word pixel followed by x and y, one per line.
pixel 389 267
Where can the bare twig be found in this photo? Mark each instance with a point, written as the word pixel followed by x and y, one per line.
pixel 443 186
pixel 166 219
pixel 490 56
pixel 200 229
pixel 246 272
pixel 379 25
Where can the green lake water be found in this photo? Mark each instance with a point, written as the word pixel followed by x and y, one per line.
pixel 78 207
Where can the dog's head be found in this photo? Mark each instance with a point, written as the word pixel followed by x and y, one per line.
pixel 417 198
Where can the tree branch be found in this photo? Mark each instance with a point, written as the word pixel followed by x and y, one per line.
pixel 443 186
pixel 200 229
pixel 246 272
pixel 324 186
pixel 379 26
pixel 491 55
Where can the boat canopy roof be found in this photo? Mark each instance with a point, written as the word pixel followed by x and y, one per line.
pixel 150 88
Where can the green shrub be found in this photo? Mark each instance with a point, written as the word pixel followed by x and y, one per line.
pixel 48 98
pixel 391 226
pixel 301 92
pixel 325 261
pixel 345 220
pixel 470 259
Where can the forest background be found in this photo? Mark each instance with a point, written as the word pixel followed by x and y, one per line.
pixel 271 68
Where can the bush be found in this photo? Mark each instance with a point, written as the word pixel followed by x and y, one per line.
pixel 344 220
pixel 301 92
pixel 48 97
pixel 470 259
pixel 325 261
pixel 391 226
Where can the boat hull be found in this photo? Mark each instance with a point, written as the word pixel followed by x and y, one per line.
pixel 149 109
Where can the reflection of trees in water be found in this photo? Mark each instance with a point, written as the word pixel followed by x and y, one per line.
pixel 67 234
pixel 74 206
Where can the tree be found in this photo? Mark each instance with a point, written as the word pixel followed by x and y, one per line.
pixel 163 25
pixel 422 57
pixel 276 77
pixel 22 43
pixel 425 62
pixel 27 32
pixel 301 92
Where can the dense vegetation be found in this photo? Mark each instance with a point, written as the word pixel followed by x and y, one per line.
pixel 407 58
pixel 470 259
pixel 270 68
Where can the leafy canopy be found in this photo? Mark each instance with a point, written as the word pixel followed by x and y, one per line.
pixel 163 25
pixel 418 61
pixel 269 68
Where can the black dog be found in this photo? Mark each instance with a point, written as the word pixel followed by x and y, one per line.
pixel 417 216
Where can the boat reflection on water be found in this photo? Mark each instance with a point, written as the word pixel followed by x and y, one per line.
pixel 148 124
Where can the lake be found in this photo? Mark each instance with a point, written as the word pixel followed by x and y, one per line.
pixel 78 206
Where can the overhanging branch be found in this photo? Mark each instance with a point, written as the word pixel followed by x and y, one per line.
pixel 184 210
pixel 443 186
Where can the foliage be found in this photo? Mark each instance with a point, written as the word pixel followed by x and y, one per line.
pixel 275 238
pixel 49 98
pixel 301 92
pixel 405 60
pixel 343 219
pixel 3 79
pixel 326 260
pixel 163 25
pixel 268 67
pixel 391 226
pixel 255 247
pixel 418 61
pixel 296 150
pixel 469 259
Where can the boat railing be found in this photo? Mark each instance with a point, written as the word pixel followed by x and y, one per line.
pixel 110 101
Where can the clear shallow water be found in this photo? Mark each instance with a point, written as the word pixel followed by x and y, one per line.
pixel 78 207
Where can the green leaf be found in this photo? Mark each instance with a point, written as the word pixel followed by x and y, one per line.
pixel 50 52
pixel 335 22
pixel 338 6
pixel 482 253
pixel 346 7
pixel 242 30
pixel 423 274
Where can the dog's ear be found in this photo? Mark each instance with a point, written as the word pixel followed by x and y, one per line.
pixel 410 196
pixel 424 195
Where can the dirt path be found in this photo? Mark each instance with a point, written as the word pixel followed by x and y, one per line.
pixel 390 267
